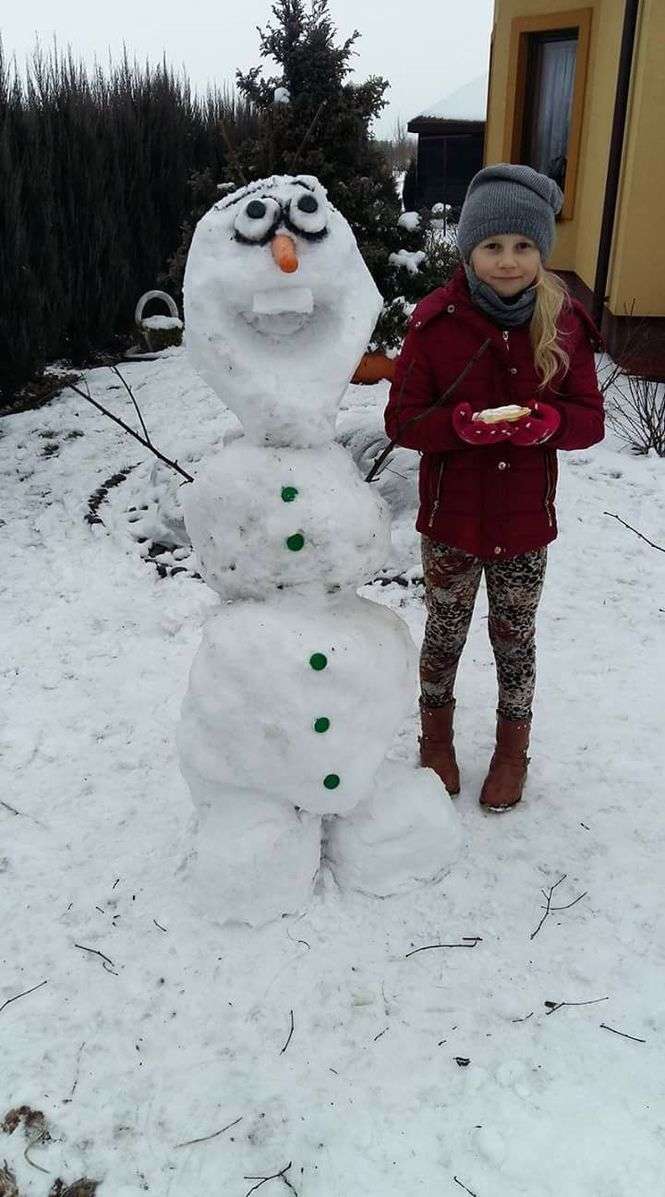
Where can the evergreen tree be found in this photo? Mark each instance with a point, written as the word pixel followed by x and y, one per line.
pixel 313 119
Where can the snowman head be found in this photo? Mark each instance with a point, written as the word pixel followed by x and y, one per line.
pixel 279 307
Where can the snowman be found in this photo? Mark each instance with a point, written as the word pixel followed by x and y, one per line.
pixel 299 685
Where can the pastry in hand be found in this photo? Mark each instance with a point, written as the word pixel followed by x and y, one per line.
pixel 496 415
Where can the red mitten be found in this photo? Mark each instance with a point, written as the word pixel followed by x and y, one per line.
pixel 536 428
pixel 476 432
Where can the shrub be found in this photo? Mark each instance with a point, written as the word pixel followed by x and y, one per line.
pixel 94 172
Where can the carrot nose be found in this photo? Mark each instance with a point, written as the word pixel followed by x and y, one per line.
pixel 284 252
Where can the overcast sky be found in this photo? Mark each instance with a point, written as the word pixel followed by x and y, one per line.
pixel 425 48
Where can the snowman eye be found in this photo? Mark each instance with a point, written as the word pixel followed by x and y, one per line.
pixel 257 221
pixel 308 216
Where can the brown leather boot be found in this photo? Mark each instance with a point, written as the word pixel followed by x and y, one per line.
pixel 436 745
pixel 504 783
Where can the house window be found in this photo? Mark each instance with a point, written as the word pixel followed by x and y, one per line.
pixel 550 77
pixel 545 101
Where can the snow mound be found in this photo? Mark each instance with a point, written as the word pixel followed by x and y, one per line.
pixel 387 846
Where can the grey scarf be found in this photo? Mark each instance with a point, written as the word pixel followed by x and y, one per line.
pixel 506 313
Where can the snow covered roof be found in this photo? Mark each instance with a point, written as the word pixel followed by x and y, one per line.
pixel 468 103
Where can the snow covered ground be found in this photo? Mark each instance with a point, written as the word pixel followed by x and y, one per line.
pixel 329 1047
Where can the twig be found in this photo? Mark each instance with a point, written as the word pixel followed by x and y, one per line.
pixel 387 450
pixel 380 1034
pixel 104 958
pixel 116 419
pixel 232 152
pixel 472 941
pixel 630 527
pixel 136 406
pixel 525 1019
pixel 458 1182
pixel 206 1138
pixel 289 1038
pixel 66 1100
pixel 20 995
pixel 557 1005
pixel 264 1179
pixel 549 904
pixel 22 813
pixel 569 904
pixel 303 941
pixel 159 925
pixel 294 157
pixel 431 407
pixel 622 1033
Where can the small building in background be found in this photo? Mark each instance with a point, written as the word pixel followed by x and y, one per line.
pixel 450 147
pixel 579 94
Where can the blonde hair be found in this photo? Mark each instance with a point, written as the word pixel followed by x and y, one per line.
pixel 549 356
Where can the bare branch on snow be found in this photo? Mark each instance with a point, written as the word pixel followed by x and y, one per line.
pixel 105 959
pixel 215 1135
pixel 274 1176
pixel 622 1033
pixel 553 1006
pixel 289 1038
pixel 20 995
pixel 630 527
pixel 549 908
pixel 468 941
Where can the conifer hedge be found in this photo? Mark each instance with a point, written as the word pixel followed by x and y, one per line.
pixel 95 170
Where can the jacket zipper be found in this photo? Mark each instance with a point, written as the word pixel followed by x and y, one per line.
pixel 549 489
pixel 435 506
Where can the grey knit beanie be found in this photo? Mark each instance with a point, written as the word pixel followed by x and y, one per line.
pixel 509 199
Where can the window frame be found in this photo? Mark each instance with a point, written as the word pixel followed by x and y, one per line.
pixel 522 28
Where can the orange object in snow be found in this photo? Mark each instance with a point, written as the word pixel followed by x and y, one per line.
pixel 373 367
pixel 284 252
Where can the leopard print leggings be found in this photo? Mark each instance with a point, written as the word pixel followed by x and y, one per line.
pixel 514 587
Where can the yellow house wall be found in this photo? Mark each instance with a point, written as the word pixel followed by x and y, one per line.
pixel 637 269
pixel 638 264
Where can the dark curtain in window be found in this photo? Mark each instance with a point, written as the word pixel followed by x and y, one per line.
pixel 549 107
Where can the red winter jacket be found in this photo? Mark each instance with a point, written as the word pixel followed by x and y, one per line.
pixel 494 500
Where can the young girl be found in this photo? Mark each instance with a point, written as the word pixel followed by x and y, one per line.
pixel 487 485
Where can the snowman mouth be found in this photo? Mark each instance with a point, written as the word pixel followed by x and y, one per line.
pixel 281 311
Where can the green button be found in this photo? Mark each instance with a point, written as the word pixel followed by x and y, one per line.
pixel 322 724
pixel 318 660
pixel 331 781
pixel 289 493
pixel 296 542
